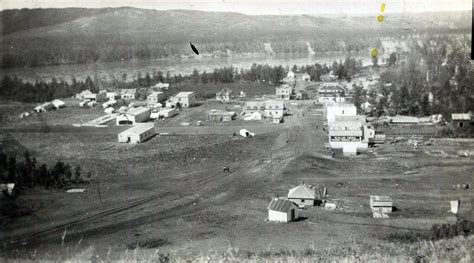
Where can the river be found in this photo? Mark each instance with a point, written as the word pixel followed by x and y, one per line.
pixel 106 71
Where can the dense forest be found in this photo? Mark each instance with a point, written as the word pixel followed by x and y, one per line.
pixel 28 173
pixel 431 80
pixel 37 37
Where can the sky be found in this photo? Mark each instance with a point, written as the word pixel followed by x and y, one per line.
pixel 258 7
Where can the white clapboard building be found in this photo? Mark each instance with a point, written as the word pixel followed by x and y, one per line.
pixel 137 134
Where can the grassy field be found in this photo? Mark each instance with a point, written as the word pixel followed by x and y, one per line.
pixel 171 192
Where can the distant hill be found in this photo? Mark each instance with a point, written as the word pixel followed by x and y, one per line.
pixel 33 37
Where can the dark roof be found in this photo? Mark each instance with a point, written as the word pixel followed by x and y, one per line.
pixel 280 205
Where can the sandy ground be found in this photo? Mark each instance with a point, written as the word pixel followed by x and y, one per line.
pixel 173 188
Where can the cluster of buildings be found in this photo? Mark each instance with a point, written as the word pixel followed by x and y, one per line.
pixel 44 107
pixel 349 131
pixel 304 196
pixel 332 92
pixel 273 110
pixel 286 209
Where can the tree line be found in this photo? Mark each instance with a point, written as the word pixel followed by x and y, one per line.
pixel 28 173
pixel 428 80
pixel 14 88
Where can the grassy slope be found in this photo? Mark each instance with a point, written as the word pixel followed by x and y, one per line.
pixel 458 249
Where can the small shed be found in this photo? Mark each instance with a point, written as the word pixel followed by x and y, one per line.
pixel 302 95
pixel 257 115
pixel 47 106
pixel 382 204
pixel 280 210
pixel 302 195
pixel 460 120
pixel 24 114
pixel 7 189
pixel 137 134
pixel 58 104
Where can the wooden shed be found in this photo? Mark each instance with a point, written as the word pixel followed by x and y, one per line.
pixel 382 204
pixel 280 210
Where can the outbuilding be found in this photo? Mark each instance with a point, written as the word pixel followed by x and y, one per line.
pixel 254 116
pixel 57 104
pixel 47 106
pixel 383 204
pixel 224 95
pixel 460 120
pixel 280 210
pixel 137 134
pixel 302 195
pixel 302 95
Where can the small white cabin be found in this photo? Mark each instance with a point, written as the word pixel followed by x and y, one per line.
pixel 280 210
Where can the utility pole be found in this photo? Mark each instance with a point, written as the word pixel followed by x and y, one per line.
pixel 98 187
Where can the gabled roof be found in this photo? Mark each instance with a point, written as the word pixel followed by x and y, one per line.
pixel 128 91
pixel 162 85
pixel 136 111
pixel 280 205
pixel 302 192
pixel 461 116
pixel 184 94
pixel 155 93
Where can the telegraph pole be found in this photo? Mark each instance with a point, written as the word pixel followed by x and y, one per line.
pixel 98 187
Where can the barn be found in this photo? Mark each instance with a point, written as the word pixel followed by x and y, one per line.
pixel 302 195
pixel 280 210
pixel 137 134
pixel 134 115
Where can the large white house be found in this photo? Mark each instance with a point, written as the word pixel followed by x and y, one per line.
pixel 162 86
pixel 155 98
pixel 350 133
pixel 272 109
pixel 280 210
pixel 224 95
pixel 331 92
pixel 97 97
pixel 185 99
pixel 138 133
pixel 134 115
pixel 339 109
pixel 128 94
pixel 284 92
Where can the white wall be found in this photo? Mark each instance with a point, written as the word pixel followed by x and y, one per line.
pixel 340 145
pixel 278 216
pixel 332 111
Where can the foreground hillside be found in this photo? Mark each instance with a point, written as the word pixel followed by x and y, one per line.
pixel 458 249
pixel 59 36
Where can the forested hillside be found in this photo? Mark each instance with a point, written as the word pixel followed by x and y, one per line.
pixel 36 37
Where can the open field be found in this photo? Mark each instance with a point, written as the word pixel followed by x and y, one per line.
pixel 173 189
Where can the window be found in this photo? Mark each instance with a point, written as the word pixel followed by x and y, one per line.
pixel 302 200
pixel 461 124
